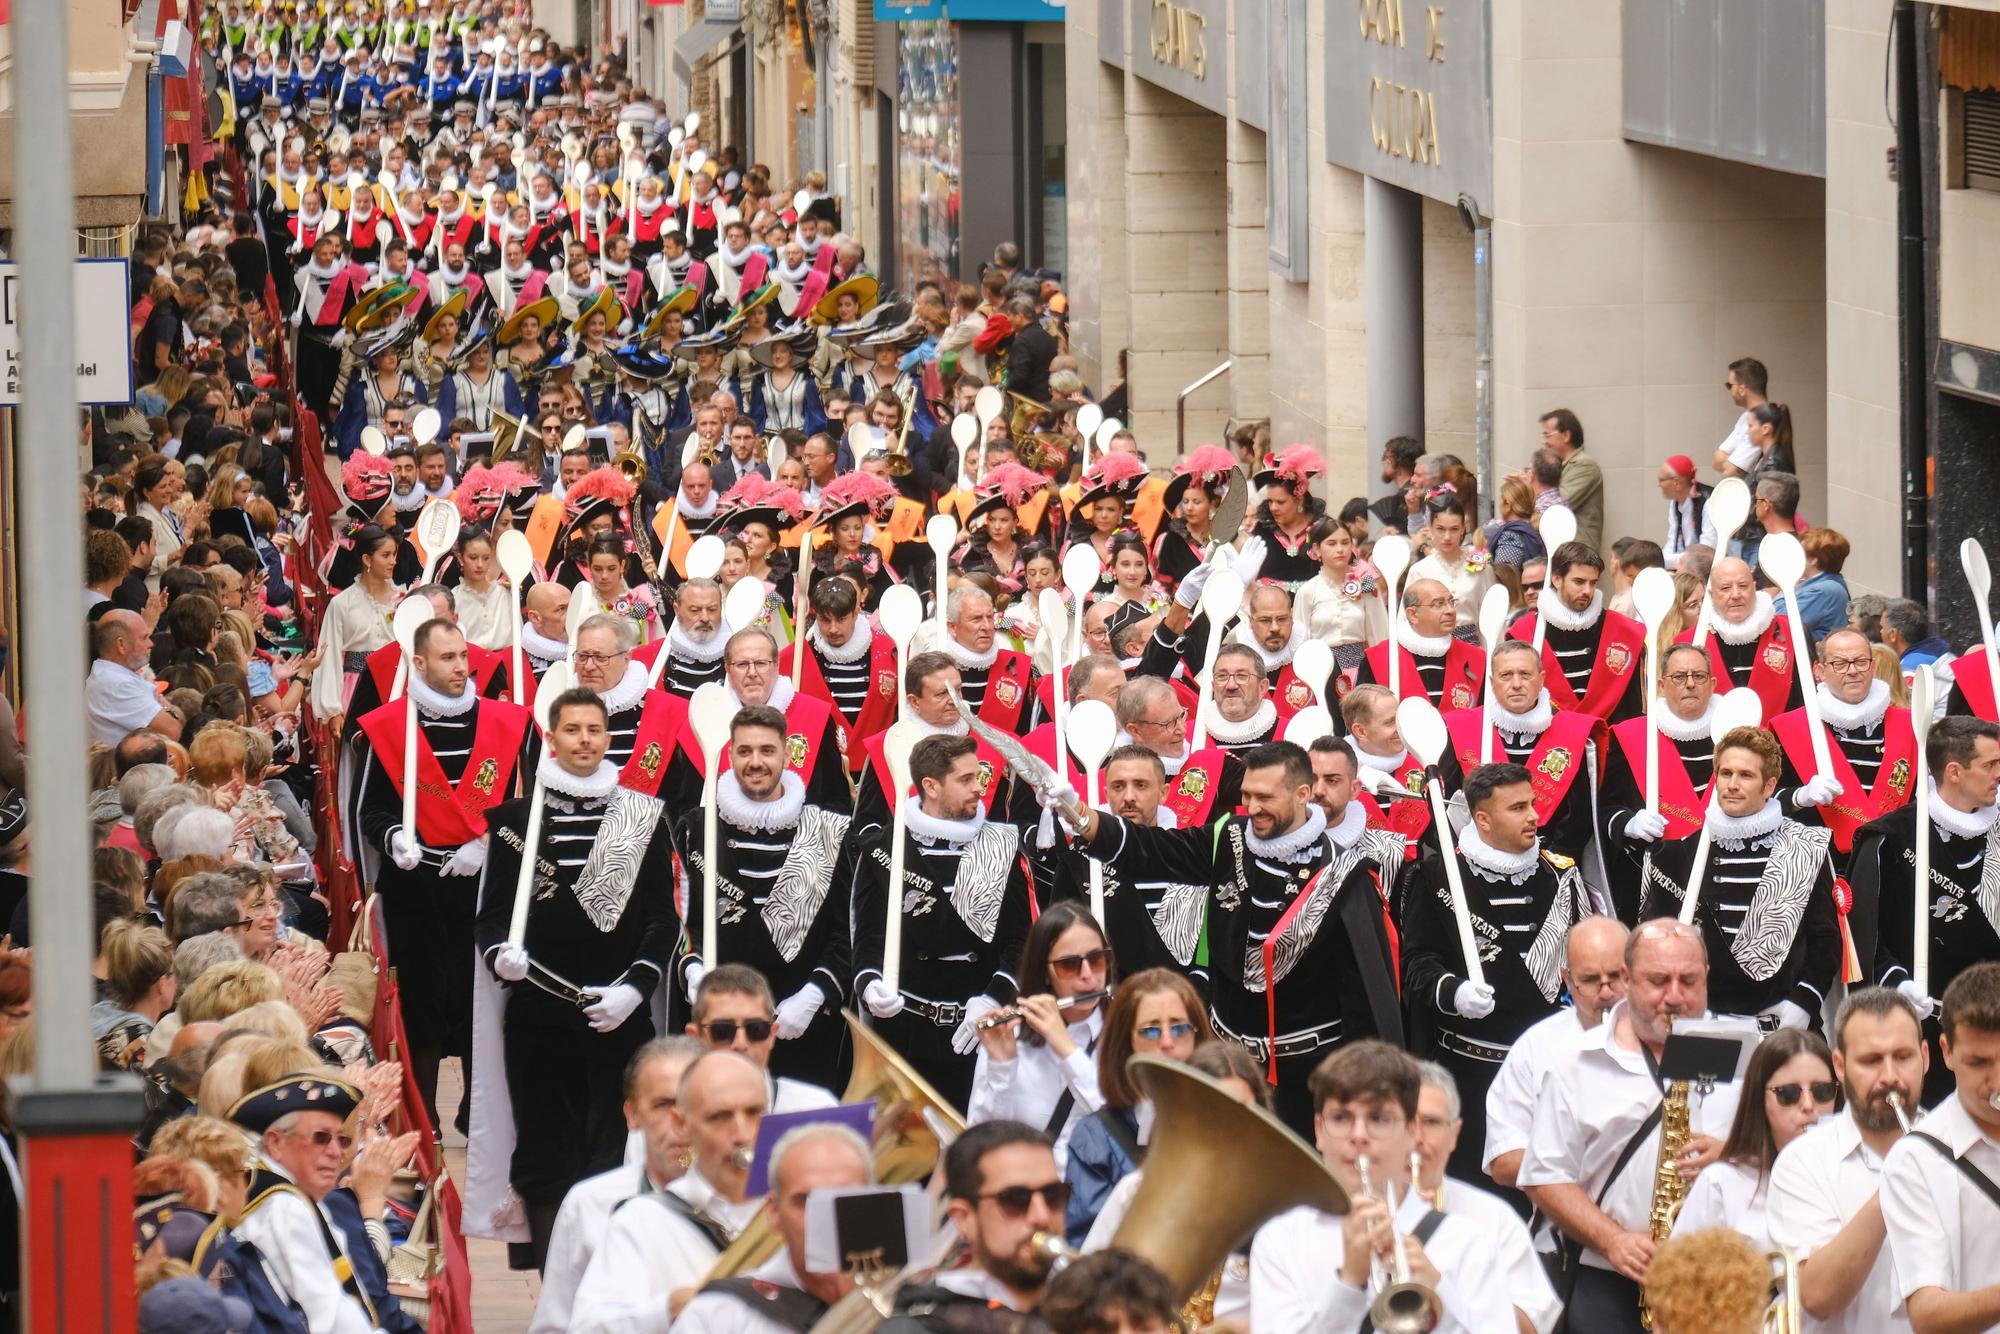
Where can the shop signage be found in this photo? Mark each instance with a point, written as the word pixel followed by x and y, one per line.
pixel 1408 94
pixel 975 11
pixel 1183 46
pixel 103 354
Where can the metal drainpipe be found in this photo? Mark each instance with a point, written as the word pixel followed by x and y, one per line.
pixel 1915 301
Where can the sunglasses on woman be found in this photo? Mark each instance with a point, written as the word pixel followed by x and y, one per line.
pixel 1072 965
pixel 1014 1200
pixel 723 1031
pixel 1154 1032
pixel 1788 1095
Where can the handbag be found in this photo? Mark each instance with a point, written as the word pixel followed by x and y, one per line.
pixel 416 1260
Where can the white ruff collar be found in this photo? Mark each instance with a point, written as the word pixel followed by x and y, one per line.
pixel 965 658
pixel 1748 630
pixel 327 274
pixel 934 829
pixel 613 268
pixel 648 207
pixel 1353 819
pixel 787 273
pixel 1272 661
pixel 735 259
pixel 1221 730
pixel 1532 723
pixel 413 499
pixel 630 690
pixel 1289 847
pixel 1732 831
pixel 1862 717
pixel 687 509
pixel 1557 613
pixel 681 645
pixel 520 275
pixel 854 650
pixel 540 647
pixel 1422 646
pixel 1964 824
pixel 958 727
pixel 781 694
pixel 1491 862
pixel 310 221
pixel 1367 759
pixel 778 812
pixel 1676 728
pixel 451 219
pixel 438 704
pixel 453 277
pixel 593 787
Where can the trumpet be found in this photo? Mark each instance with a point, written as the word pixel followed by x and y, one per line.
pixel 1403 1306
pixel 1012 1013
pixel 742 1156
pixel 1051 1245
pixel 1895 1101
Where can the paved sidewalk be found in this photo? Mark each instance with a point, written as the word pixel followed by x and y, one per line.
pixel 503 1300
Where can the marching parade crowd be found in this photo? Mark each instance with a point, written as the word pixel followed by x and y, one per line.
pixel 835 800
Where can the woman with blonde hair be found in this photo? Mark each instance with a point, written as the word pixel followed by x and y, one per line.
pixel 138 989
pixel 227 988
pixel 1689 589
pixel 249 1061
pixel 228 487
pixel 1889 669
pixel 274 1019
pixel 215 1144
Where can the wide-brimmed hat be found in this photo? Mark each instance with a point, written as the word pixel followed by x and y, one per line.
pixel 635 359
pixel 598 492
pixel 1114 474
pixel 453 306
pixel 720 339
pixel 607 305
pixel 392 339
pixel 902 337
pixel 757 499
pixel 851 493
pixel 1293 469
pixel 543 309
pixel 883 316
pixel 763 296
pixel 1007 486
pixel 378 306
pixel 1209 466
pixel 801 341
pixel 865 286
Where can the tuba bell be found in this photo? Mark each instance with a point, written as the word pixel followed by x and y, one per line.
pixel 633 465
pixel 913 1127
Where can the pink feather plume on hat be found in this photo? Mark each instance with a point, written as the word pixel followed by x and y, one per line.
pixel 1013 481
pixel 366 476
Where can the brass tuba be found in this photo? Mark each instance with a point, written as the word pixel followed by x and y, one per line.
pixel 913 1126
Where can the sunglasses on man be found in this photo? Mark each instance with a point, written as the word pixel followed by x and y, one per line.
pixel 1013 1201
pixel 722 1032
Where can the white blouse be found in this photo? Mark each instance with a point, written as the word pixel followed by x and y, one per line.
pixel 1028 1087
pixel 1467 585
pixel 486 618
pixel 1728 1195
pixel 1330 615
pixel 353 623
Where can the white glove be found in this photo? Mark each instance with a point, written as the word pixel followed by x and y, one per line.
pixel 881 1002
pixel 1646 826
pixel 1788 1015
pixel 339 339
pixel 511 963
pixel 403 849
pixel 965 1038
pixel 1057 794
pixel 692 975
pixel 1249 559
pixel 1816 791
pixel 614 1006
pixel 1188 595
pixel 1917 996
pixel 466 859
pixel 1474 1000
pixel 796 1011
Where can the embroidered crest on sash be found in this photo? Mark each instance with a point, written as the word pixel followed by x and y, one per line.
pixel 1555 763
pixel 487 775
pixel 795 750
pixel 985 777
pixel 1617 658
pixel 649 759
pixel 1193 784
pixel 1413 781
pixel 1899 778
pixel 1298 694
pixel 1777 657
pixel 1008 691
pixel 1461 696
pixel 885 684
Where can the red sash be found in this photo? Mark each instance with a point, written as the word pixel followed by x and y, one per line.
pixel 878 710
pixel 1041 743
pixel 805 728
pixel 1291 694
pixel 1619 650
pixel 991 768
pixel 383 661
pixel 1970 673
pixel 459 233
pixel 1407 819
pixel 1191 792
pixel 646 230
pixel 1771 672
pixel 448 816
pixel 662 719
pixel 348 282
pixel 1554 763
pixel 1680 805
pixel 1045 688
pixel 1856 805
pixel 1464 666
pixel 1009 686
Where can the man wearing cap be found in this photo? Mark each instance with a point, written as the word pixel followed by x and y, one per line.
pixel 299 1124
pixel 600 912
pixel 467 750
pixel 1686 500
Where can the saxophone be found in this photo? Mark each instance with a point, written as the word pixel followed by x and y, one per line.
pixel 1669 1188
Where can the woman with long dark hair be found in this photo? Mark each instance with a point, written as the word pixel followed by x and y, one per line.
pixel 1285 518
pixel 1131 571
pixel 1157 1013
pixel 1200 482
pixel 356 623
pixel 1042 1069
pixel 1787 1087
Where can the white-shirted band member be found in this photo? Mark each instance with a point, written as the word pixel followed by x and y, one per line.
pixel 1940 1203
pixel 1316 1271
pixel 1824 1204
pixel 1598 1099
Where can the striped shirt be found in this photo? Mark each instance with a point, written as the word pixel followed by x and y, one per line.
pixel 684 676
pixel 1863 748
pixel 1576 653
pixel 847 683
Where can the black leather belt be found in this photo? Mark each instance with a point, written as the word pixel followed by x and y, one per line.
pixel 945 1014
pixel 1304 1042
pixel 1472 1048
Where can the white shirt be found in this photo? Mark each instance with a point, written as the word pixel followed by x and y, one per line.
pixel 120 699
pixel 1592 1103
pixel 1510 1098
pixel 1296 1288
pixel 1232 1295
pixel 648 1253
pixel 579 1230
pixel 1727 1195
pixel 293 1248
pixel 1821 1180
pixel 1742 451
pixel 718 1313
pixel 486 619
pixel 1466 586
pixel 1943 1231
pixel 1028 1087
pixel 1528 1286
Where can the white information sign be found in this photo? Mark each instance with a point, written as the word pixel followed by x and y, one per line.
pixel 102 313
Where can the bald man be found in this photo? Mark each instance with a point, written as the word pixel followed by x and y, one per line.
pixel 1748 643
pixel 1431 661
pixel 544 626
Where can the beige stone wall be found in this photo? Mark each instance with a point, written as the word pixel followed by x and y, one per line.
pixel 1863 397
pixel 1626 277
pixel 1094 98
pixel 1451 338
pixel 1968 259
